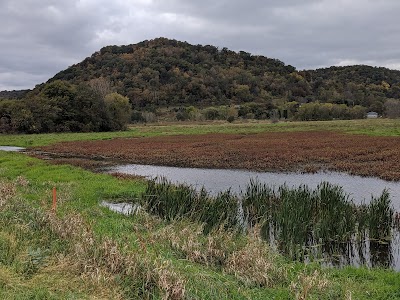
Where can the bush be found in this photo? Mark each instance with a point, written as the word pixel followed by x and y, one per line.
pixel 211 113
pixel 137 117
pixel 230 119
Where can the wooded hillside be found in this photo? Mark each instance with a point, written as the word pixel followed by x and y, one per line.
pixel 163 72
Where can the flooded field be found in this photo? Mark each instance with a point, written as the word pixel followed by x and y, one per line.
pixel 355 251
pixel 276 151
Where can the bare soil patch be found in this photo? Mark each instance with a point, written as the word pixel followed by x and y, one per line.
pixel 277 151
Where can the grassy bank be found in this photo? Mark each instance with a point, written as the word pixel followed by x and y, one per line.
pixel 85 251
pixel 378 127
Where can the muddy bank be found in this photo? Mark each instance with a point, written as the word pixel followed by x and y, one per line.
pixel 295 151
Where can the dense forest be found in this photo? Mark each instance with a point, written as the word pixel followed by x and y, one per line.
pixel 195 81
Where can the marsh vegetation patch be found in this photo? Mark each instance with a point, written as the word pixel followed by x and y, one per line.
pixel 273 151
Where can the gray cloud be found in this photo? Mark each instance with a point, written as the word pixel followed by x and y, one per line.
pixel 40 38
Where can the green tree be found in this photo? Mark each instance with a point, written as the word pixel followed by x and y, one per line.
pixel 119 110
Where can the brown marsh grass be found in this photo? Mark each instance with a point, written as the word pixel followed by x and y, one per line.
pixel 273 151
pixel 248 257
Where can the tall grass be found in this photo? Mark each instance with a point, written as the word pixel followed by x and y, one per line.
pixel 293 218
pixel 380 217
pixel 35 242
pixel 334 217
pixel 258 199
pixel 173 202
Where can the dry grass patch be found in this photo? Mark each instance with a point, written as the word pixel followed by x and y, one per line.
pixel 308 283
pixel 8 190
pixel 248 258
pixel 188 238
pixel 256 263
pixel 85 262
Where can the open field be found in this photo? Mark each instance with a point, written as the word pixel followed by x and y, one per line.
pixel 377 127
pixel 271 151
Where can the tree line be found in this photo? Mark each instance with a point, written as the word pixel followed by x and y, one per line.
pixel 60 106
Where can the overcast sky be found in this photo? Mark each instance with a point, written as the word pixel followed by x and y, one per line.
pixel 39 38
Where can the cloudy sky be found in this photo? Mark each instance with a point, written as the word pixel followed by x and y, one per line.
pixel 38 38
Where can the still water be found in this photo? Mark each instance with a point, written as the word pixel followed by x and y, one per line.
pixel 367 253
pixel 218 180
pixel 11 148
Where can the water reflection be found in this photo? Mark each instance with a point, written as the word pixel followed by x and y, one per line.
pixel 381 254
pixel 219 180
pixel 358 250
pixel 122 208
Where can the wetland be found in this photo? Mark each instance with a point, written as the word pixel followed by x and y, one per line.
pixel 363 167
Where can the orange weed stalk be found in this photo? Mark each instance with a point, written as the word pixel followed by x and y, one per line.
pixel 54 206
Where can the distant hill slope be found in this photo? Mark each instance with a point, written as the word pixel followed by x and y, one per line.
pixel 16 94
pixel 358 74
pixel 169 72
pixel 164 72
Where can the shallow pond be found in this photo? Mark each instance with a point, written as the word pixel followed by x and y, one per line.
pixel 122 208
pixel 11 148
pixel 218 180
pixel 368 253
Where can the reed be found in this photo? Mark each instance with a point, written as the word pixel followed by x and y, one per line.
pixel 334 218
pixel 296 219
pixel 293 219
pixel 169 201
pixel 380 217
pixel 172 202
pixel 258 199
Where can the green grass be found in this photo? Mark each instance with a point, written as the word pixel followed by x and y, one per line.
pixel 378 127
pixel 35 264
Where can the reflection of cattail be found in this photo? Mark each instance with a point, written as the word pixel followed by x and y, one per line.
pixel 397 219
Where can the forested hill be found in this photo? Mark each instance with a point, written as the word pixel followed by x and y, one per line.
pixel 168 72
pixel 179 81
pixel 164 72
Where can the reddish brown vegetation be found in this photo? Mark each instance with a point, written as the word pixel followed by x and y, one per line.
pixel 294 151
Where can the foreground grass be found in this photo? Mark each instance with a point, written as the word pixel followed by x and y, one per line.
pixel 87 252
pixel 377 127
